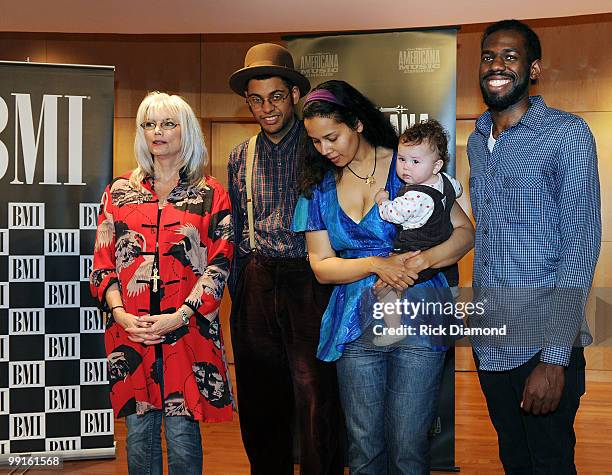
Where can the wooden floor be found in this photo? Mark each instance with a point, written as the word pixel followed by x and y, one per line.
pixel 476 444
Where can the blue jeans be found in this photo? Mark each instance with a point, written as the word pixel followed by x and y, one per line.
pixel 183 442
pixel 389 396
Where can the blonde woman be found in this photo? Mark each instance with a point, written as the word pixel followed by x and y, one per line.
pixel 161 261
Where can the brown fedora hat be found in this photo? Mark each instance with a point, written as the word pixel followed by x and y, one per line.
pixel 268 59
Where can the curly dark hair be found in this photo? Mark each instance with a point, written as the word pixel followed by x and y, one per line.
pixel 356 108
pixel 532 42
pixel 431 131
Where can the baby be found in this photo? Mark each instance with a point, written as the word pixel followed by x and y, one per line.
pixel 421 210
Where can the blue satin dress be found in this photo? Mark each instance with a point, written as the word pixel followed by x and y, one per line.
pixel 343 321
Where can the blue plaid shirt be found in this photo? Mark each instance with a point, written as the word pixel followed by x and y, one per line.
pixel 536 202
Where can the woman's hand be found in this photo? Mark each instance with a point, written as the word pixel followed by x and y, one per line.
pixel 165 323
pixel 136 328
pixel 128 320
pixel 157 327
pixel 147 329
pixel 393 271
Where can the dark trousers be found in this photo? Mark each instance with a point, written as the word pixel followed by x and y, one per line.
pixel 275 323
pixel 534 445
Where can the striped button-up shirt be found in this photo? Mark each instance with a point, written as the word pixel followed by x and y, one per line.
pixel 274 195
pixel 535 198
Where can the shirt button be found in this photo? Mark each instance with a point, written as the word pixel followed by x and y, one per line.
pixel 485 263
pixel 488 201
pixel 485 232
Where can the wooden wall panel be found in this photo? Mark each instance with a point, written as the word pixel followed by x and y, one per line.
pixel 123 149
pixel 219 60
pixel 225 136
pixel 603 271
pixel 601 126
pixel 143 64
pixel 224 317
pixel 469 99
pixel 23 48
pixel 463 130
pixel 466 264
pixel 577 72
pixel 207 132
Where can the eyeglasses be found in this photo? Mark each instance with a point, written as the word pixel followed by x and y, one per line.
pixel 164 124
pixel 276 99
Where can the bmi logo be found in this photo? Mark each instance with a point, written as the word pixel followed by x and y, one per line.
pixel 61 242
pixel 4 242
pixel 92 320
pixel 4 402
pixel 4 348
pixel 27 426
pixel 419 60
pixel 57 444
pixel 26 374
pixel 401 119
pixel 30 138
pixel 26 321
pixel 62 398
pixel 62 294
pixel 4 294
pixel 88 215
pixel 319 64
pixel 26 268
pixel 97 422
pixel 86 267
pixel 94 371
pixel 26 215
pixel 62 347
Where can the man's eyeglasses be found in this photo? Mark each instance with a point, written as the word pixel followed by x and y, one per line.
pixel 164 124
pixel 276 99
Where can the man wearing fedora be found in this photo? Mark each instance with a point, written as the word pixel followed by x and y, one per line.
pixel 277 303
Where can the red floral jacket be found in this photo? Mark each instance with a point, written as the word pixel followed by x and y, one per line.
pixel 192 236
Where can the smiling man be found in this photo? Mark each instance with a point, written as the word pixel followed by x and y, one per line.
pixel 535 197
pixel 277 304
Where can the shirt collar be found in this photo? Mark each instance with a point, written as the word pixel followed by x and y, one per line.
pixel 288 138
pixel 533 118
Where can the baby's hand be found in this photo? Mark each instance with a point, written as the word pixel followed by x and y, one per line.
pixel 381 196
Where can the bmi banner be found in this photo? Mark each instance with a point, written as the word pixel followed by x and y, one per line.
pixel 411 76
pixel 56 149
